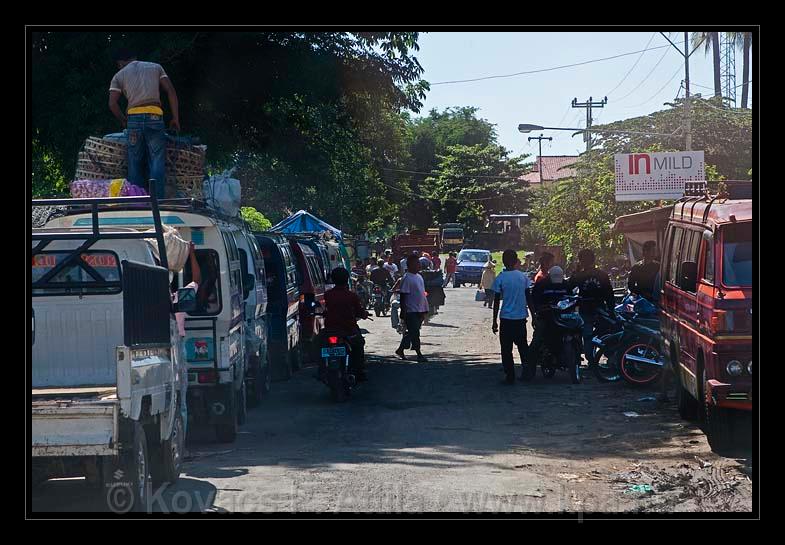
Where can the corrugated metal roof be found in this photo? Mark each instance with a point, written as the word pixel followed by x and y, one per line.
pixel 554 167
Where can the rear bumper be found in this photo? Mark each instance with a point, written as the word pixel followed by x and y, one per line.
pixel 74 430
pixel 729 396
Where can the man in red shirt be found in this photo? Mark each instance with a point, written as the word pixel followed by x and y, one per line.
pixel 342 309
pixel 450 266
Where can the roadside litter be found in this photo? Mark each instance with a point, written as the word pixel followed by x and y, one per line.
pixel 631 414
pixel 640 488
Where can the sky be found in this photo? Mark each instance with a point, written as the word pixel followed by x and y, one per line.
pixel 545 98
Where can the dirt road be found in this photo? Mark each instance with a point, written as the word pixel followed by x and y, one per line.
pixel 447 436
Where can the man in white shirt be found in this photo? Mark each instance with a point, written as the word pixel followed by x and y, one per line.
pixel 391 267
pixel 414 308
pixel 511 286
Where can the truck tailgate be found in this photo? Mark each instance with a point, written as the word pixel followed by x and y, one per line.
pixel 74 422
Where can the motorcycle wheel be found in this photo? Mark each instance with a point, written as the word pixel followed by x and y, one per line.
pixel 572 364
pixel 378 312
pixel 335 382
pixel 636 373
pixel 605 368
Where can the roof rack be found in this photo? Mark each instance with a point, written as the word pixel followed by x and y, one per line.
pixel 90 237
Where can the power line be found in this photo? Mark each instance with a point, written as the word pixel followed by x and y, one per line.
pixel 431 198
pixel 646 78
pixel 437 173
pixel 712 88
pixel 547 69
pixel 633 66
pixel 660 89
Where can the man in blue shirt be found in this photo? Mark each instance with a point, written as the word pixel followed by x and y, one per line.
pixel 511 286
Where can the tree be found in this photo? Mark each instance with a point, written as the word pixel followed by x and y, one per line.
pixel 255 219
pixel 471 182
pixel 430 138
pixel 711 41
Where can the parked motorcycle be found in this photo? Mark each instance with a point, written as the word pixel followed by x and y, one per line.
pixel 626 343
pixel 562 346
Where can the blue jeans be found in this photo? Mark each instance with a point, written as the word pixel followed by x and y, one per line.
pixel 589 319
pixel 147 141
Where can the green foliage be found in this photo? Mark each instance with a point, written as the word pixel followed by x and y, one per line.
pixel 255 219
pixel 47 177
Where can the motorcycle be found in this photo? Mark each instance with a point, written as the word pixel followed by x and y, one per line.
pixel 334 365
pixel 562 346
pixel 381 302
pixel 362 290
pixel 626 343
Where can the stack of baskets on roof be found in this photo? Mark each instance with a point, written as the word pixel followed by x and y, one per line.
pixel 106 159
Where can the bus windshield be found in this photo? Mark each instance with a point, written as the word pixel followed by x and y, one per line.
pixel 737 254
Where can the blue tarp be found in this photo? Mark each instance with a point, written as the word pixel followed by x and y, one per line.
pixel 305 222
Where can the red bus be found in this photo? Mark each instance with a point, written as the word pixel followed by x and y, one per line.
pixel 706 310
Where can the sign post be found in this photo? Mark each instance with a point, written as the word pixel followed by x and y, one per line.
pixel 656 176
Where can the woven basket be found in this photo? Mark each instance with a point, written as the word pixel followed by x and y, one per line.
pixel 190 186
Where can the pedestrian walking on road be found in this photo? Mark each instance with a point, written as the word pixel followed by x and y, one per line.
pixel 414 308
pixel 512 286
pixel 450 266
pixel 486 282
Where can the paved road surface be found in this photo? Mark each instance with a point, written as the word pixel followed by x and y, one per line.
pixel 447 436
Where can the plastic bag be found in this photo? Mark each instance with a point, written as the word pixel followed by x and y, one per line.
pixel 222 193
pixel 84 189
pixel 479 295
pixel 177 249
pixel 116 187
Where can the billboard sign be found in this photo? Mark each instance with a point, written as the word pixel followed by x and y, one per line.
pixel 655 176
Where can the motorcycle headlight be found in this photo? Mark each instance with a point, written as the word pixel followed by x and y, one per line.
pixel 734 368
pixel 749 367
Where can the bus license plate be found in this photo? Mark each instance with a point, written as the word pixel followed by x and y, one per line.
pixel 336 351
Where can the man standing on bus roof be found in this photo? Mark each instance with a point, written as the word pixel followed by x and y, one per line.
pixel 140 82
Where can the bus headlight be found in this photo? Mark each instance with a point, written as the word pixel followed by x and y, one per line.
pixel 734 368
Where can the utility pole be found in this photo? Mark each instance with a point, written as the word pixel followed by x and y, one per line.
pixel 540 139
pixel 588 105
pixel 688 118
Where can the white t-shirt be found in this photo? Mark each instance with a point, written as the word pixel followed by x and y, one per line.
pixel 392 268
pixel 413 286
pixel 512 286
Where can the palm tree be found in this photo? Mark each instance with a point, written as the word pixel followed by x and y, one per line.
pixel 744 41
pixel 711 41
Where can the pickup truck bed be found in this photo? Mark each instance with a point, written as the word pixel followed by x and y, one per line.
pixel 74 421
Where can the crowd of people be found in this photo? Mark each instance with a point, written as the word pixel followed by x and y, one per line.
pixel 521 297
pixel 513 296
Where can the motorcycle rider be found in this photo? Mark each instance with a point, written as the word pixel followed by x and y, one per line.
pixel 342 310
pixel 548 291
pixel 381 277
pixel 595 289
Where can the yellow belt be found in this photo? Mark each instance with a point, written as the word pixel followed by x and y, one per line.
pixel 156 110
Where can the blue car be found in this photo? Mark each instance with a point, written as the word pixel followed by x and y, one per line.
pixel 470 266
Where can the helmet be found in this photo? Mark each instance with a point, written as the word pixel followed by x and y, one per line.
pixel 556 274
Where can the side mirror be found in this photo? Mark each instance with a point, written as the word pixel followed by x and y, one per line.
pixel 689 276
pixel 186 300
